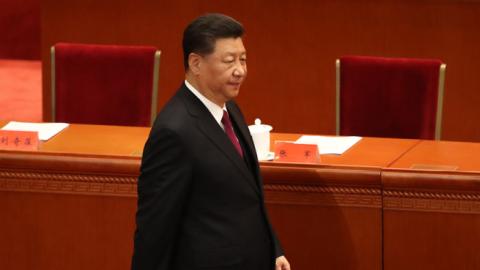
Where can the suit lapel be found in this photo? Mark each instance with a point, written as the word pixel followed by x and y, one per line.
pixel 210 128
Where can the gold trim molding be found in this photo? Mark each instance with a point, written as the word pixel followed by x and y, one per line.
pixel 68 183
pixel 431 201
pixel 323 195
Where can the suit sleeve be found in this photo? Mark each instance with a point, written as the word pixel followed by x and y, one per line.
pixel 164 181
pixel 277 246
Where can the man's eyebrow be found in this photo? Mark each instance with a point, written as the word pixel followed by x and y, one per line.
pixel 234 53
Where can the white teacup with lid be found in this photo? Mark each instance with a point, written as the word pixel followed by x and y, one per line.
pixel 261 139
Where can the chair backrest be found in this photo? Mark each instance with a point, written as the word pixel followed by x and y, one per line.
pixel 104 84
pixel 389 97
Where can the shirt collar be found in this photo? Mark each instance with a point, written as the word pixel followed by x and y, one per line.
pixel 215 110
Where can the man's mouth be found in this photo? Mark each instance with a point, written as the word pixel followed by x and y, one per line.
pixel 235 83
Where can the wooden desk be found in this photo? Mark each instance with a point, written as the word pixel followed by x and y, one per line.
pixel 329 216
pixel 71 205
pixel 432 208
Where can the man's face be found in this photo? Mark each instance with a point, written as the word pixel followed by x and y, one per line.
pixel 223 71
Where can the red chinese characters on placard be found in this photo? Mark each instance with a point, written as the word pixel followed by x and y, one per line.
pixel 294 152
pixel 18 140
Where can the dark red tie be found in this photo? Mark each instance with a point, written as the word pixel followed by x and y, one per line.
pixel 227 125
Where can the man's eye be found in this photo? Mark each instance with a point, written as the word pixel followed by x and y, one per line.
pixel 228 61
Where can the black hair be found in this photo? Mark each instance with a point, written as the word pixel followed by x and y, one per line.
pixel 201 34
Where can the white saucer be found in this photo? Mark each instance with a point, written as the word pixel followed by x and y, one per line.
pixel 270 156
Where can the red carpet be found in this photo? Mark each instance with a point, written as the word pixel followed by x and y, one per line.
pixel 20 90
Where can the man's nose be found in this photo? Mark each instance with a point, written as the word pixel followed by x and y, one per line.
pixel 240 70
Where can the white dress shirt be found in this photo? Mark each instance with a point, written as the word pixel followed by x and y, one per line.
pixel 215 110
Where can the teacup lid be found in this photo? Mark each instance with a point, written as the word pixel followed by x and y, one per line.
pixel 259 128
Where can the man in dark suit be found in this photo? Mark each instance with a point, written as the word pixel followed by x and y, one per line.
pixel 200 197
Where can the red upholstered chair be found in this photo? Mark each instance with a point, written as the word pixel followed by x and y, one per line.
pixel 389 97
pixel 104 84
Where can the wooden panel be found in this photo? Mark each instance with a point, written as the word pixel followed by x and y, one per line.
pixel 86 217
pixel 331 237
pixel 292 46
pixel 431 240
pixel 65 231
pixel 431 220
pixel 326 217
pixel 432 216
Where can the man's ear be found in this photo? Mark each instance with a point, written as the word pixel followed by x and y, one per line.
pixel 194 63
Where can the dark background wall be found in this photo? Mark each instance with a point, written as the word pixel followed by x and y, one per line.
pixel 292 46
pixel 20 29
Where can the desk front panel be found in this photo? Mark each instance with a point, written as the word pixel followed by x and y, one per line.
pixel 71 205
pixel 432 208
